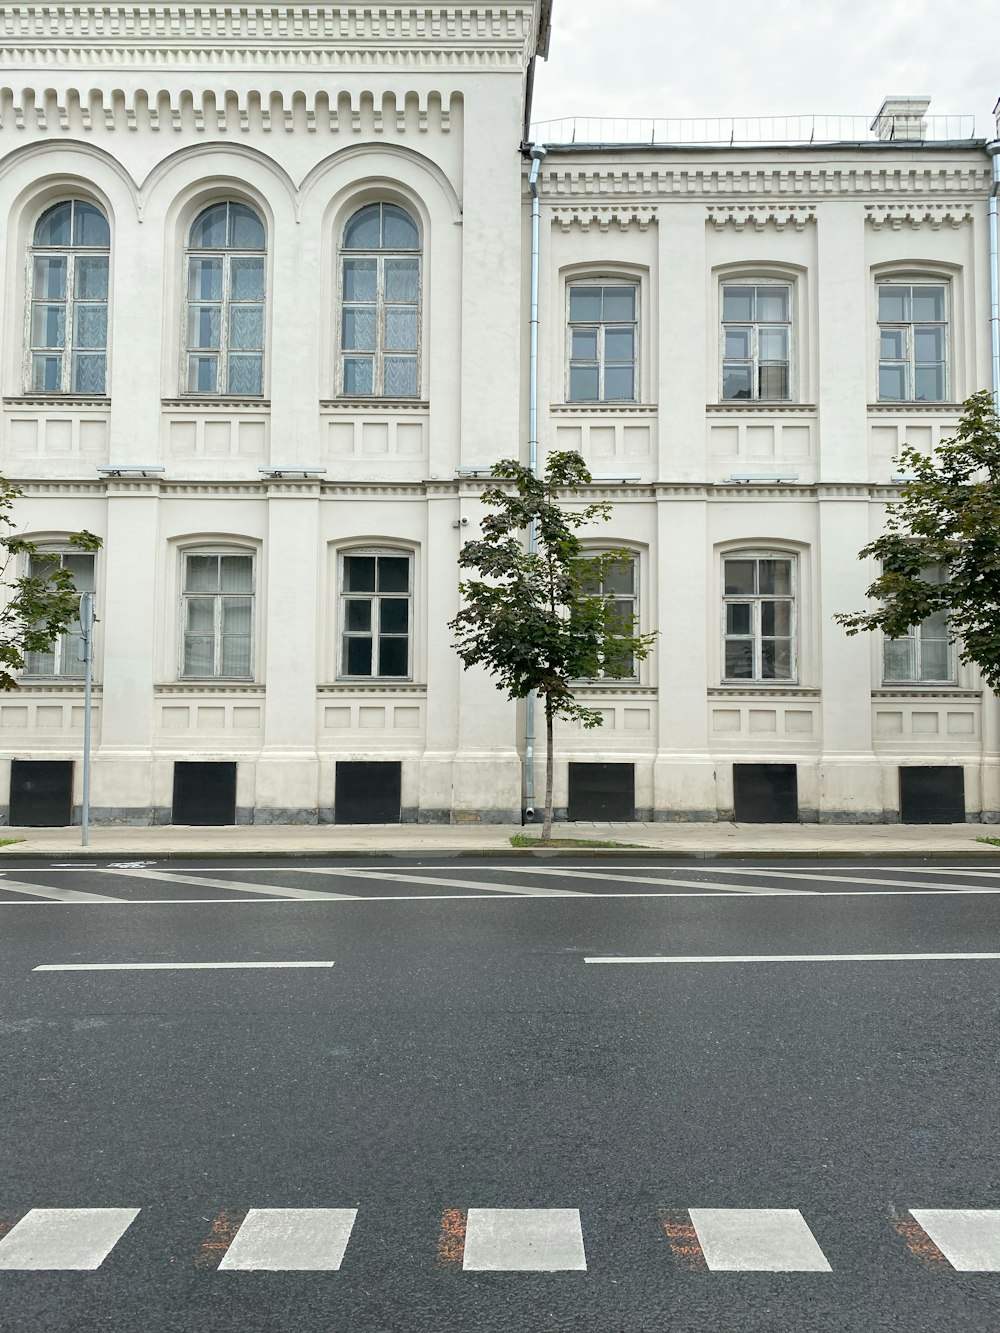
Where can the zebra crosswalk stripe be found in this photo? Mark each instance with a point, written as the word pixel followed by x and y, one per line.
pixel 64 1238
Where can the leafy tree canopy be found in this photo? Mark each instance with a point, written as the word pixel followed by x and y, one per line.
pixel 941 547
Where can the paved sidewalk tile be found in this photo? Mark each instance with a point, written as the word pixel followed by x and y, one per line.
pixel 277 1240
pixel 757 1240
pixel 524 1240
pixel 71 1238
pixel 969 1238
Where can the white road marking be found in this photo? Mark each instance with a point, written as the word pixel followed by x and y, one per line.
pixel 55 895
pixel 839 879
pixel 969 1238
pixel 77 1238
pixel 237 886
pixel 757 1240
pixel 524 1240
pixel 800 958
pixel 680 883
pixel 286 1240
pixel 162 967
pixel 513 890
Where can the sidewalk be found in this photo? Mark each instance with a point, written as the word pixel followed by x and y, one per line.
pixel 659 840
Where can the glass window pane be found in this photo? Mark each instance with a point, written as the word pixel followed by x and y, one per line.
pixel 585 305
pixel 776 618
pixel 892 344
pixel 618 384
pixel 736 380
pixel 46 374
pixel 619 344
pixel 245 374
pixel 203 374
pixel 90 325
pixel 204 279
pixel 584 384
pixel 358 614
pixel 55 226
pixel 929 384
pixel 359 328
pixel 237 615
pixel 892 382
pixel 928 344
pixel 358 657
pixel 773 344
pixel 208 232
pixel 236 573
pixel 401 328
pixel 934 627
pixel 246 231
pixel 246 279
pixel 50 277
pixel 775 576
pixel 235 655
pixel 620 577
pixel 40 664
pixel 775 659
pixel 90 226
pixel 363 230
pixel 200 614
pixel 893 304
pixel 360 279
pixel 393 655
pixel 584 345
pixel 91 280
pixel 359 573
pixel 619 303
pixel 899 659
pixel 359 375
pixel 48 325
pixel 82 569
pixel 399 231
pixel 394 573
pixel 739 659
pixel 204 325
pixel 738 617
pixel 89 372
pixel 246 326
pixel 737 304
pixel 737 343
pixel 772 381
pixel 199 656
pixel 740 576
pixel 400 377
pixel 928 303
pixel 772 305
pixel 394 615
pixel 201 573
pixel 934 660
pixel 402 279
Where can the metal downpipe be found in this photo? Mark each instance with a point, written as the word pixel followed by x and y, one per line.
pixel 994 151
pixel 537 153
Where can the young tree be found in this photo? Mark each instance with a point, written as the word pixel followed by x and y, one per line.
pixel 941 547
pixel 37 606
pixel 534 618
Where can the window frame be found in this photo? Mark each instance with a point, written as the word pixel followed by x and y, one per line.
pixel 603 280
pixel 915 633
pixel 345 594
pixel 68 349
pixel 612 595
pixel 756 635
pixel 380 353
pixel 225 302
pixel 217 636
pixel 755 280
pixel 909 279
pixel 65 644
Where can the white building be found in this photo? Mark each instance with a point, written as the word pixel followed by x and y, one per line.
pixel 265 314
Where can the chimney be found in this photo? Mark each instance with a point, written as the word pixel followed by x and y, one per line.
pixel 902 118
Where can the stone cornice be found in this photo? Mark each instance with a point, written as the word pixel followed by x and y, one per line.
pixel 760 216
pixel 935 216
pixel 604 218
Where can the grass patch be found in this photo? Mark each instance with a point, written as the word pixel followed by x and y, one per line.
pixel 526 840
pixel 994 842
pixel 9 842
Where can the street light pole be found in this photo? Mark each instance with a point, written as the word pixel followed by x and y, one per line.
pixel 86 650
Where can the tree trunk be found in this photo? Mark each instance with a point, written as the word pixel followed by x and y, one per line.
pixel 547 825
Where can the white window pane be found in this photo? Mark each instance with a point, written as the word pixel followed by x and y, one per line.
pixel 200 615
pixel 55 226
pixel 772 304
pixel 934 660
pixel 364 230
pixel 204 325
pixel 619 303
pixel 737 343
pixel 40 664
pixel 90 226
pixel 400 328
pixel 737 304
pixel 89 372
pixel 210 227
pixel 892 382
pixel 929 384
pixel 400 377
pixel 203 374
pixel 899 659
pixel 50 277
pixel 48 325
pixel 399 231
pixel 359 375
pixel 928 303
pixel 619 344
pixel 245 374
pixel 928 344
pixel 199 656
pixel 773 344
pixel 402 279
pixel 90 325
pixel 236 573
pixel 235 655
pixel 246 231
pixel 359 328
pixel 736 380
pixel 91 277
pixel 618 383
pixel 246 279
pixel 246 326
pixel 739 659
pixel 46 374
pixel 360 279
pixel 893 304
pixel 584 345
pixel 892 344
pixel 237 614
pixel 201 573
pixel 204 279
pixel 584 384
pixel 585 305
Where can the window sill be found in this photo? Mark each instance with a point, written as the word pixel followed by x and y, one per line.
pixel 939 409
pixel 209 685
pixel 218 402
pixel 41 684
pixel 762 689
pixel 374 404
pixel 643 409
pixel 759 405
pixel 923 689
pixel 630 687
pixel 372 687
pixel 57 400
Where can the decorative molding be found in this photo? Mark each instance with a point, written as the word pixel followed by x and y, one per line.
pixel 935 216
pixel 751 692
pixel 915 409
pixel 59 402
pixel 216 405
pixel 604 217
pixel 947 694
pixel 213 687
pixel 358 406
pixel 352 687
pixel 763 409
pixel 604 409
pixel 761 216
pixel 51 685
pixel 620 691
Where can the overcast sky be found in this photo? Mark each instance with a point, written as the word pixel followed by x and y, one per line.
pixel 783 57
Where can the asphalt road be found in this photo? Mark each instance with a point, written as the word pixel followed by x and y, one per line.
pixel 462 1054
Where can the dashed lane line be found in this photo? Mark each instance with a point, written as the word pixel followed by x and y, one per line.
pixel 55 895
pixel 799 958
pixel 168 967
pixel 236 886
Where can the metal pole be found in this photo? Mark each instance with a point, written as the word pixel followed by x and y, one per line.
pixel 537 153
pixel 87 647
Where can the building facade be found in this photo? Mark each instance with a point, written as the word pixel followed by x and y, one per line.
pixel 265 328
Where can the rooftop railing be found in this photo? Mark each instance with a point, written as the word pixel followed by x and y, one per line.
pixel 753 131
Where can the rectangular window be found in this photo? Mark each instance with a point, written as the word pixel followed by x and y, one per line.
pixel 376 616
pixel 63 658
pixel 603 336
pixel 756 341
pixel 912 342
pixel 925 652
pixel 217 615
pixel 759 617
pixel 617 584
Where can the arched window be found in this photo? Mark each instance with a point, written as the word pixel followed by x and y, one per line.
pixel 757 334
pixel 759 629
pixel 224 348
pixel 603 341
pixel 68 299
pixel 912 340
pixel 380 294
pixel 217 614
pixel 376 615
